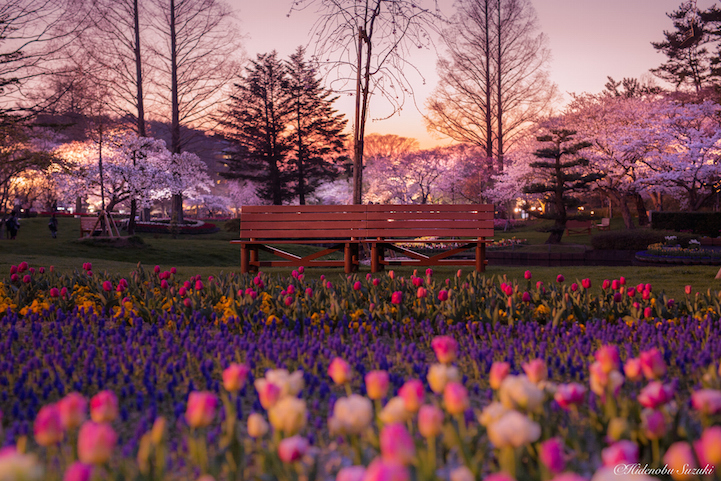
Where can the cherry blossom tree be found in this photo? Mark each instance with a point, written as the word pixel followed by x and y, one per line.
pixel 685 152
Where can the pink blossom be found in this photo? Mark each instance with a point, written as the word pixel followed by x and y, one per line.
pixel 498 372
pixel 680 458
pixel 570 394
pixel 78 472
pixel 606 284
pixel 397 445
pixel 633 369
pixel 551 455
pixel 104 407
pixel 443 295
pixel 706 401
pixel 292 449
pixel 340 371
pixel 381 470
pixel 455 398
pixel 586 283
pixel 655 395
pixel 652 364
pixel 201 409
pixel 536 370
pixel 621 452
pixel 96 442
pixel 687 289
pixel 376 384
pixel 608 357
pixel 54 292
pixel 412 393
pixel 708 447
pixel 654 424
pixel 73 410
pixel 48 427
pixel 526 297
pixel 421 292
pixel 430 421
pixel 397 297
pixel 560 278
pixel 268 393
pixel 527 275
pixel 351 473
pixel 234 377
pixel 446 348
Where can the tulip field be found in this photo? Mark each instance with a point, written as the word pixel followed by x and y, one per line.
pixel 368 377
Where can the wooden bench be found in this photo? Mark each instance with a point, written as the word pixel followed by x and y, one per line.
pixel 463 227
pixel 580 227
pixel 346 227
pixel 340 226
pixel 87 226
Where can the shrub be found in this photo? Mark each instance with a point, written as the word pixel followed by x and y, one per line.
pixel 702 223
pixel 232 225
pixel 635 239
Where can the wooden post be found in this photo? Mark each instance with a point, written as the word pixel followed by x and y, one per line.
pixel 374 257
pixel 480 255
pixel 244 258
pixel 348 258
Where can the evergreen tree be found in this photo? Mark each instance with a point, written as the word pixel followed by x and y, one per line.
pixel 689 61
pixel 256 125
pixel 318 141
pixel 564 177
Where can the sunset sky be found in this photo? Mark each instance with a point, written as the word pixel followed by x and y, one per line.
pixel 589 40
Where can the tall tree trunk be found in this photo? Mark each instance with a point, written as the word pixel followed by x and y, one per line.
pixel 177 202
pixel 499 106
pixel 301 174
pixel 357 129
pixel 139 102
pixel 489 113
pixel 560 224
pixel 641 210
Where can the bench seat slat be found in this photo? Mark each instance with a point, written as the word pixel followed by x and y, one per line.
pixel 299 233
pixel 288 209
pixel 424 224
pixel 381 216
pixel 430 207
pixel 410 233
pixel 313 225
pixel 305 217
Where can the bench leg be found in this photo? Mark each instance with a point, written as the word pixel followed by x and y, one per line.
pixel 244 259
pixel 348 258
pixel 480 257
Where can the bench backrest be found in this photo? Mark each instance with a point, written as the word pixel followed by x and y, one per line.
pixel 366 221
pixel 578 224
pixel 442 221
pixel 302 221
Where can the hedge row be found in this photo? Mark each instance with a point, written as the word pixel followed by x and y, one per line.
pixel 701 223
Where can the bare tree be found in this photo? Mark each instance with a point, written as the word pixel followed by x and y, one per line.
pixel 196 44
pixel 495 71
pixel 366 44
pixel 35 35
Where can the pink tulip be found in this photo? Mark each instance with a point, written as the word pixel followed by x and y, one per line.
pixel 621 452
pixel 499 477
pixel 655 395
pixel 27 279
pixel 64 292
pixel 574 287
pixel 292 449
pixel 198 285
pixel 182 291
pixel 429 272
pixel 633 369
pixel 560 278
pixel 13 270
pixel 709 446
pixel 96 442
pixel 376 384
pixel 617 297
pixel 417 281
pixel 397 297
pixel 391 274
pixel 606 284
pixel 22 267
pixel 687 289
pixel 622 280
pixel 104 407
pixel 268 394
pixel 351 473
pixel 412 393
pixel 539 284
pixel 568 395
pixel 430 421
pixel 551 455
pixel 107 286
pixel 526 297
pixel 652 364
pixel 340 371
pixel 648 312
pixel 201 409
pixel 527 275
pixel 54 292
pixel 615 285
pixel 443 295
pixel 536 370
pixel 498 372
pixel 78 472
pixel 163 285
pixel 376 282
pixel 446 348
pixel 48 427
pixel 608 357
pixel 680 460
pixel 455 398
pixel 586 283
pixel 654 424
pixel 73 410
pixel 234 377
pixel 706 401
pixel 380 470
pixel 569 477
pixel 421 292
pixel 631 292
pixel 397 444
pixel 187 302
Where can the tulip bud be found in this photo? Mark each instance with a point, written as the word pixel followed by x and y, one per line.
pixel 430 421
pixel 96 442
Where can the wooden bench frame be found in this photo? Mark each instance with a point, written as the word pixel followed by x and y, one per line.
pixel 347 228
pixel 579 227
pixel 605 224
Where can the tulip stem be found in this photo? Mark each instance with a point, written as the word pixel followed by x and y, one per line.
pixel 656 455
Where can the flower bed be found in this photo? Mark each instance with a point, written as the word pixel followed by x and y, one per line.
pixel 229 379
pixel 675 254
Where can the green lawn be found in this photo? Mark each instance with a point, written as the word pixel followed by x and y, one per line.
pixel 212 254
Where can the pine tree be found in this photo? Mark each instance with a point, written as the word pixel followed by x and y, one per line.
pixel 256 125
pixel 689 62
pixel 564 177
pixel 316 128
